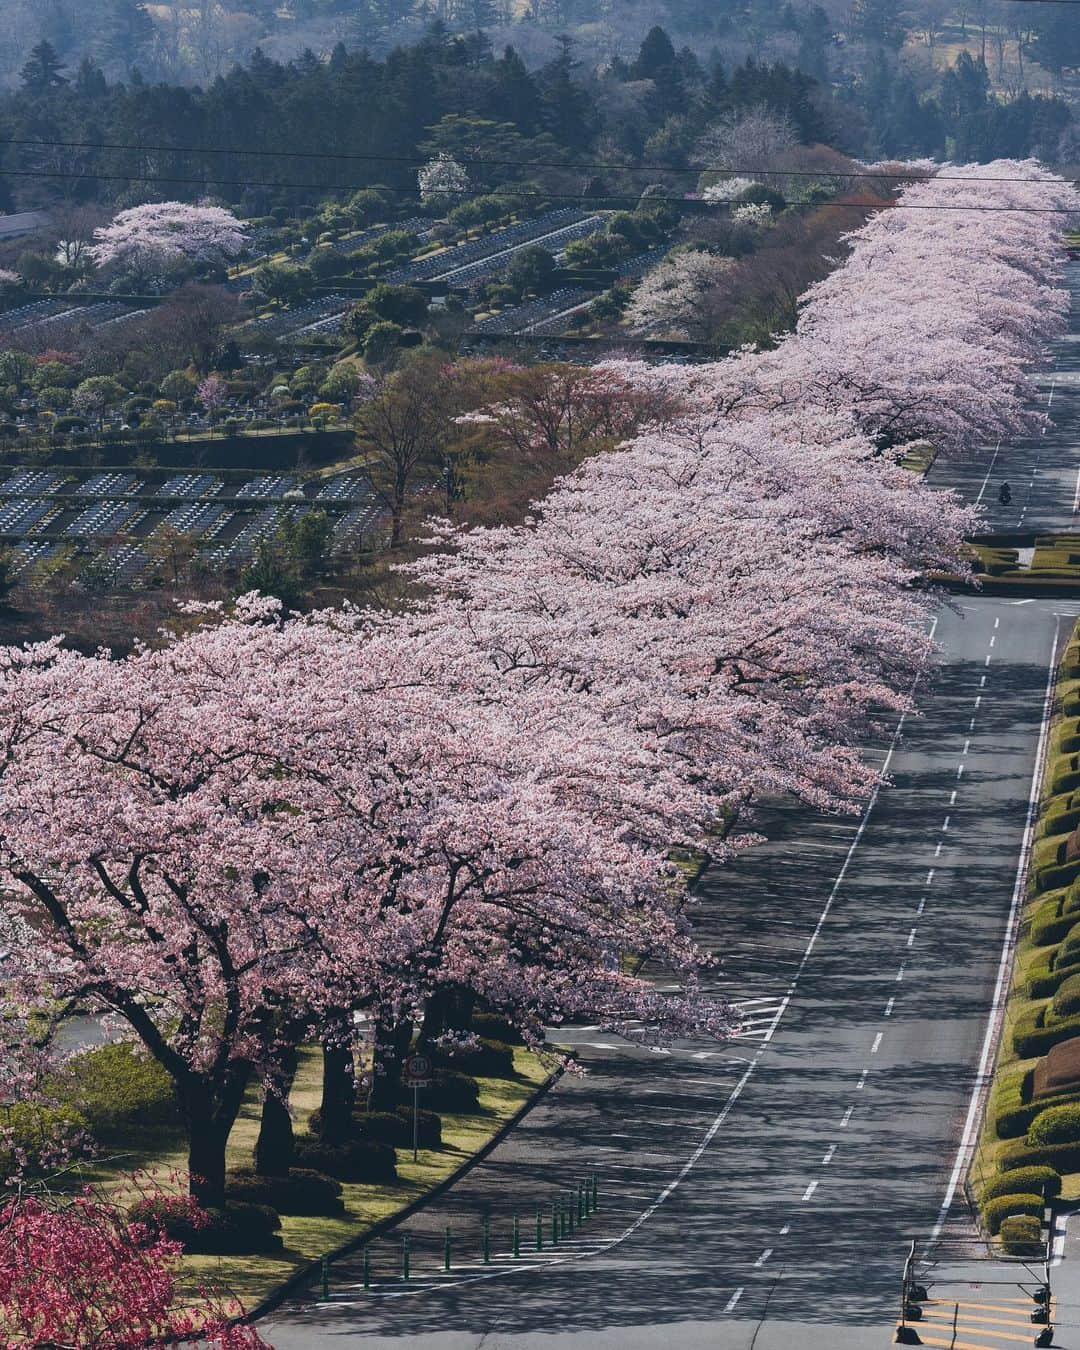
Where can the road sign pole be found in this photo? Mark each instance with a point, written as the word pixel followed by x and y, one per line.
pixel 404 1258
pixel 487 1241
pixel 539 1229
pixel 415 1120
pixel 325 1279
pixel 517 1238
pixel 554 1224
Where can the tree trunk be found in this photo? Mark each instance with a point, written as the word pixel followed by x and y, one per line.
pixel 209 1117
pixel 275 1146
pixel 390 1047
pixel 338 1094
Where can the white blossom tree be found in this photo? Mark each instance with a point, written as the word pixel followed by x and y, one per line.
pixel 442 180
pixel 167 235
pixel 673 297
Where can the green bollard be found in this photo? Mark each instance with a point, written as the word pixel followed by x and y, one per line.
pixel 539 1229
pixel 580 1204
pixel 517 1238
pixel 572 1214
pixel 595 1191
pixel 404 1258
pixel 446 1249
pixel 487 1242
pixel 554 1224
pixel 367 1269
pixel 564 1218
pixel 325 1279
pixel 588 1196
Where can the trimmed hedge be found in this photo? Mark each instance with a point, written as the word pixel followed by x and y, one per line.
pixel 383 1127
pixel 1049 924
pixel 1031 1038
pixel 1021 1235
pixel 1043 978
pixel 1010 1109
pixel 1061 1157
pixel 1006 1206
pixel 428 1127
pixel 301 1192
pixel 234 1230
pixel 492 1027
pixel 1067 998
pixel 357 1160
pixel 453 1091
pixel 116 1087
pixel 1024 1180
pixel 1055 1125
pixel 488 1059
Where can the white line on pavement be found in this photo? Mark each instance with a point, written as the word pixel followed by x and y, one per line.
pixel 763 1257
pixel 810 1190
pixel 730 1305
pixel 982 681
pixel 862 1080
pixel 990 470
pixel 830 1153
pixel 967 1138
pixel 960 771
pixel 911 937
pixel 988 659
pixel 967 746
pixel 877 1042
pixel 997 622
pixel 952 797
pixel 846 1117
pixel 945 824
pixel 889 1007
pixel 900 973
pixel 937 851
pixel 785 1230
pixel 930 877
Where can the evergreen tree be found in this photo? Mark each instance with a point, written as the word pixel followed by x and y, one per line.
pixel 42 71
pixel 127 34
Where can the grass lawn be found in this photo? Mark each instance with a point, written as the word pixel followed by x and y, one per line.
pixel 251 1278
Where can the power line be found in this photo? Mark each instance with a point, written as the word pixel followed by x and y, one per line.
pixel 478 161
pixel 512 195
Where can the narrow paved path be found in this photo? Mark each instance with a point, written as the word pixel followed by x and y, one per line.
pixel 763 1194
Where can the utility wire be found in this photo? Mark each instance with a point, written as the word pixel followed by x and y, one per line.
pixel 511 194
pixel 478 161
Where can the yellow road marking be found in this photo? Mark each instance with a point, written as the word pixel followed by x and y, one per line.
pixel 969 1319
pixel 950 1344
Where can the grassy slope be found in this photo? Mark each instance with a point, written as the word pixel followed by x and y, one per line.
pixel 251 1278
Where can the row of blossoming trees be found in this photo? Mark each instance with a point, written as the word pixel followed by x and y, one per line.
pixel 237 839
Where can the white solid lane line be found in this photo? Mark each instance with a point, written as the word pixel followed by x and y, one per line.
pixel 733 1300
pixel 877 1042
pixel 810 1190
pixel 763 1257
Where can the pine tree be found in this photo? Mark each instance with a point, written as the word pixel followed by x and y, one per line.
pixel 42 71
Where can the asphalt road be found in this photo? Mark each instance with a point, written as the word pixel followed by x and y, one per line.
pixel 764 1193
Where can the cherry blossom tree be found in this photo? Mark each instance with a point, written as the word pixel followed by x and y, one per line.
pixel 673 297
pixel 74 1271
pixel 266 823
pixel 442 180
pixel 166 235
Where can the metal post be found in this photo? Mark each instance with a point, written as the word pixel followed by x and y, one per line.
pixel 367 1269
pixel 487 1241
pixel 554 1224
pixel 415 1119
pixel 325 1278
pixel 955 1319
pixel 580 1204
pixel 446 1249
pixel 595 1191
pixel 539 1229
pixel 517 1238
pixel 404 1258
pixel 564 1225
pixel 570 1211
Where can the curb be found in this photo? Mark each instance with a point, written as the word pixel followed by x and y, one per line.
pixel 309 1273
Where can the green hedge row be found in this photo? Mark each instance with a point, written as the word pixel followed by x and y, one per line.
pixel 237 1228
pixel 301 1192
pixel 1021 1235
pixel 1032 1037
pixel 1007 1206
pixel 1027 1180
pixel 117 1088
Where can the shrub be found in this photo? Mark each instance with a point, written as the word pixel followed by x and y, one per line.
pixel 301 1192
pixel 453 1091
pixel 1049 924
pixel 1062 1157
pixel 489 1059
pixel 1067 998
pixel 237 1228
pixel 383 1127
pixel 357 1160
pixel 35 1138
pixel 1031 1038
pixel 429 1127
pixel 1026 1180
pixel 116 1087
pixel 66 424
pixel 1005 1206
pixel 1055 1125
pixel 495 1028
pixel 1021 1235
pixel 1010 1109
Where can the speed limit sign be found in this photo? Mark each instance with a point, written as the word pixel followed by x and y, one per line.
pixel 417 1071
